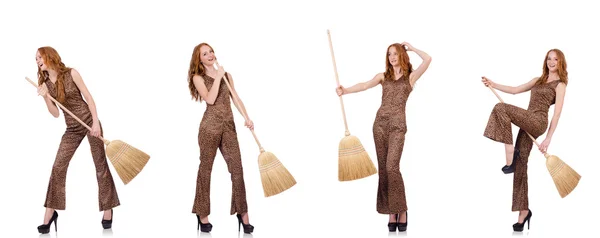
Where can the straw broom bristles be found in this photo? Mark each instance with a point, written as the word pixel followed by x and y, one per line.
pixel 565 178
pixel 126 159
pixel 353 162
pixel 274 176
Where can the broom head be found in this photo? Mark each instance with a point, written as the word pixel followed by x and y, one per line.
pixel 127 160
pixel 354 162
pixel 274 176
pixel 565 178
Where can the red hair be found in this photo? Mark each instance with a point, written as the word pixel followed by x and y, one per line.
pixel 562 68
pixel 405 65
pixel 196 68
pixel 53 61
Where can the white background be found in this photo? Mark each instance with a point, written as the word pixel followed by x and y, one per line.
pixel 134 57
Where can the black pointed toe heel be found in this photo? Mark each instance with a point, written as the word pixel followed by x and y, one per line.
pixel 45 228
pixel 519 226
pixel 107 224
pixel 392 226
pixel 204 227
pixel 247 227
pixel 402 226
pixel 509 169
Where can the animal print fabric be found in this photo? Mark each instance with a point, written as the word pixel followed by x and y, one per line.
pixel 74 134
pixel 217 131
pixel 389 130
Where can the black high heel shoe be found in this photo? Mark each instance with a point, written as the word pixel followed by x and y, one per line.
pixel 402 226
pixel 392 226
pixel 204 227
pixel 247 227
pixel 519 226
pixel 508 169
pixel 107 224
pixel 45 228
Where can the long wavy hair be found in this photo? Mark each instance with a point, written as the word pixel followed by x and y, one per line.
pixel 53 61
pixel 196 68
pixel 562 68
pixel 405 65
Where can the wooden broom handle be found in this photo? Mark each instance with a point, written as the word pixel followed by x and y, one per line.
pixel 533 139
pixel 337 80
pixel 67 110
pixel 241 112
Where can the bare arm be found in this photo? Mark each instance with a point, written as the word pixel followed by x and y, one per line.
pixel 52 108
pixel 86 94
pixel 415 75
pixel 208 95
pixel 359 87
pixel 510 89
pixel 560 97
pixel 241 108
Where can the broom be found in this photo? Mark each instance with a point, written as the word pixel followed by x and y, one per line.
pixel 274 176
pixel 127 160
pixel 565 178
pixel 353 161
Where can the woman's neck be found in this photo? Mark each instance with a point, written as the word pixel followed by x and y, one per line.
pixel 397 70
pixel 52 74
pixel 552 76
pixel 209 69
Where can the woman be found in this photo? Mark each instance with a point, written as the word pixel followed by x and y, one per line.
pixel 67 87
pixel 217 130
pixel 546 90
pixel 389 127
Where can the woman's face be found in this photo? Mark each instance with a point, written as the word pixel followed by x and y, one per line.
pixel 40 61
pixel 207 56
pixel 552 62
pixel 393 56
